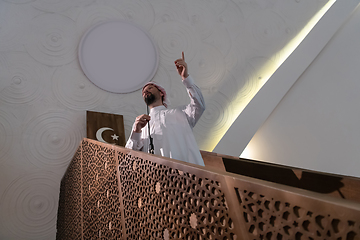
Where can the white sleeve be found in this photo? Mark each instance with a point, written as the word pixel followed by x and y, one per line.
pixel 135 141
pixel 196 107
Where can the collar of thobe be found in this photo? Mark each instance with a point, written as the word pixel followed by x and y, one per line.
pixel 157 109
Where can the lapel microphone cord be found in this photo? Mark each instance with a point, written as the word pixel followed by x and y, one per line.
pixel 151 145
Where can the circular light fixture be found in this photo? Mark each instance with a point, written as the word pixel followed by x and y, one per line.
pixel 118 56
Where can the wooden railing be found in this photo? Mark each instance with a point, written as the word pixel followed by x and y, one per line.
pixel 110 192
pixel 341 186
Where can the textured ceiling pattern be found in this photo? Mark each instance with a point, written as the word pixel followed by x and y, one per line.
pixel 44 94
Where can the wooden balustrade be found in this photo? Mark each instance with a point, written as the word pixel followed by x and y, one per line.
pixel 336 185
pixel 109 192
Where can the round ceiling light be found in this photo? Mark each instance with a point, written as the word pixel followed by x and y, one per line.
pixel 118 56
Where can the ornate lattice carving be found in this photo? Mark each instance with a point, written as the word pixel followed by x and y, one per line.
pixel 89 205
pixel 160 201
pixel 69 213
pixel 269 217
pixel 110 192
pixel 101 205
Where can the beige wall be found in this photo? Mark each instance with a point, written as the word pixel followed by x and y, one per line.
pixel 315 126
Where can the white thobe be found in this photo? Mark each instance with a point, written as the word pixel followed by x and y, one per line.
pixel 171 129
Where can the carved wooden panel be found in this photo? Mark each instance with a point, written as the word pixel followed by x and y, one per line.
pixel 166 203
pixel 273 214
pixel 110 192
pixel 101 205
pixel 70 201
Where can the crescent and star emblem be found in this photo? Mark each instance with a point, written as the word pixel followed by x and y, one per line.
pixel 100 132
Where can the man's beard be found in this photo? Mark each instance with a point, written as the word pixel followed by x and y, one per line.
pixel 149 99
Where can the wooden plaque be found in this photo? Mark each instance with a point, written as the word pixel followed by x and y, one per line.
pixel 105 127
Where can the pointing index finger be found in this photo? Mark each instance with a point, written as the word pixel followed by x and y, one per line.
pixel 182 56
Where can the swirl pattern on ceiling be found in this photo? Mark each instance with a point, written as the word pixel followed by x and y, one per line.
pixel 92 15
pixel 48 139
pixel 170 11
pixel 25 81
pixel 299 10
pixel 53 40
pixel 140 12
pixel 267 29
pixel 173 38
pixel 74 90
pixel 10 34
pixel 56 6
pixel 215 117
pixel 201 18
pixel 209 67
pixel 7 135
pixel 30 204
pixel 18 1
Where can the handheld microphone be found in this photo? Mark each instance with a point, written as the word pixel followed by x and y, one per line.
pixel 151 145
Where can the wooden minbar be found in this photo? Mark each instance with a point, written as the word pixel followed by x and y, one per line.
pixel 109 192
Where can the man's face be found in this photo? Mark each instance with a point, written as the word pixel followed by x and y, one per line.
pixel 151 94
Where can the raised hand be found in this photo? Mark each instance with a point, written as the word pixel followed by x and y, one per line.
pixel 181 66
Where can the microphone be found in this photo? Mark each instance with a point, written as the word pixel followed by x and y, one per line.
pixel 151 145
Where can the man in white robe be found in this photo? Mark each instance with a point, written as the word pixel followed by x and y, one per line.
pixel 170 129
